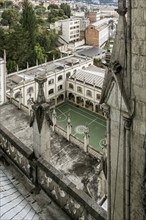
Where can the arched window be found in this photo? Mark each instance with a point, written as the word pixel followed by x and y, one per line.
pixel 17 95
pixel 68 75
pixel 89 93
pixel 30 90
pixel 83 67
pixel 51 91
pixel 51 81
pixel 60 77
pixel 71 86
pixel 60 87
pixel 97 96
pixel 79 89
pixel 74 71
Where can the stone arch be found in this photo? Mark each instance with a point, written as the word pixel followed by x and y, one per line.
pixel 51 81
pixel 89 93
pixel 17 94
pixel 71 97
pixel 71 86
pixel 80 101
pixel 30 90
pixel 60 77
pixel 68 75
pixel 51 91
pixel 79 89
pixel 89 105
pixel 60 98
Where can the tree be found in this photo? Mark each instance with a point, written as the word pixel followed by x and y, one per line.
pixel 40 53
pixel 52 6
pixel 10 17
pixel 66 8
pixel 40 10
pixel 28 21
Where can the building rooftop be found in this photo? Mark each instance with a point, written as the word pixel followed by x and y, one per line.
pixel 92 75
pixel 44 69
pixel 90 52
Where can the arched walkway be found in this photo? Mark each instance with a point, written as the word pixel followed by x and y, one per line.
pixel 71 97
pixel 60 98
pixel 80 101
pixel 89 105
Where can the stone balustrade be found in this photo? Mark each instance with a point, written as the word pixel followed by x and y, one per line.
pixel 44 176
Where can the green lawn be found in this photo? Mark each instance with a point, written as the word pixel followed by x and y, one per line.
pixel 80 118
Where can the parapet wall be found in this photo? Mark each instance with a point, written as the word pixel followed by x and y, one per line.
pixel 44 176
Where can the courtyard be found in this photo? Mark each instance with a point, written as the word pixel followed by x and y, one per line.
pixel 80 119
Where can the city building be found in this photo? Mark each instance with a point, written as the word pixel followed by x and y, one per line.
pixel 71 30
pixel 97 34
pixel 61 74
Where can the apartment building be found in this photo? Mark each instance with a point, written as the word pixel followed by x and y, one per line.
pixel 97 34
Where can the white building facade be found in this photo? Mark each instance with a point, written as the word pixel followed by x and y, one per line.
pixel 72 78
pixel 71 30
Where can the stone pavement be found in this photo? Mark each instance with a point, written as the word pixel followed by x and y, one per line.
pixel 17 202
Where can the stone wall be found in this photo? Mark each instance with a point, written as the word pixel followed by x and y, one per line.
pixel 138 63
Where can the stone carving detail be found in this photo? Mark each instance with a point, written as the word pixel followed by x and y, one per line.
pixel 40 108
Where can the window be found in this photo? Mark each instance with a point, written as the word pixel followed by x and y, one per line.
pixel 71 86
pixel 74 71
pixel 97 96
pixel 68 75
pixel 60 77
pixel 79 89
pixel 30 90
pixel 51 81
pixel 60 87
pixel 17 95
pixel 51 91
pixel 89 93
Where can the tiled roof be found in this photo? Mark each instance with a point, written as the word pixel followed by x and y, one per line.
pixel 90 75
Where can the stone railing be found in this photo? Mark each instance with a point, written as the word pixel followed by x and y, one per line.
pixel 75 202
pixel 44 176
pixel 15 150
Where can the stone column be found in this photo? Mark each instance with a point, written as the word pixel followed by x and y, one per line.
pixel 11 93
pixel 30 103
pixel 69 126
pixel 23 91
pixel 127 125
pixel 20 100
pixel 41 122
pixel 54 119
pixel 86 139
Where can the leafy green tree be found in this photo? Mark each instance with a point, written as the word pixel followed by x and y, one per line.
pixel 11 66
pixel 28 21
pixel 40 53
pixel 40 10
pixel 10 17
pixel 55 15
pixel 52 6
pixel 2 41
pixel 66 8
